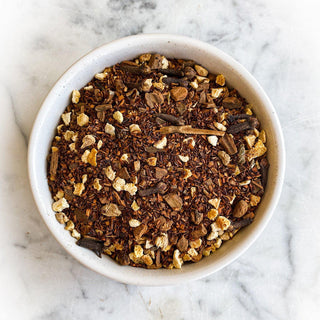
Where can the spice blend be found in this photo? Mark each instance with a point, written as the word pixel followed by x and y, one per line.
pixel 156 162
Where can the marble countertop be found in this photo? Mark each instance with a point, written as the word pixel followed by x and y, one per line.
pixel 277 41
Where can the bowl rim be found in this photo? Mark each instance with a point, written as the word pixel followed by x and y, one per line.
pixel 255 233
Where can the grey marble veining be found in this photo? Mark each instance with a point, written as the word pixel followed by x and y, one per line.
pixel 278 277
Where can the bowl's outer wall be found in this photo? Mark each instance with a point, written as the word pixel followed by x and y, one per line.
pixel 171 46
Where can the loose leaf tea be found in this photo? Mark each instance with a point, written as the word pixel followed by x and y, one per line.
pixel 156 162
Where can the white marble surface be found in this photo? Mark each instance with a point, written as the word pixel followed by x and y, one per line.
pixel 279 276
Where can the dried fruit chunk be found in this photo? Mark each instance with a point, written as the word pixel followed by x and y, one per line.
pixel 75 234
pixel 231 103
pixel 110 210
pixel 78 189
pixel 134 128
pixel 240 209
pixel 136 165
pixel 250 140
pixel 69 226
pixel 145 57
pixel 215 202
pixel 198 232
pixel 139 231
pixel 146 85
pixel 111 175
pixel 257 151
pixel 225 158
pixel 219 126
pixel 201 70
pixel 155 61
pixel 160 173
pixel 118 116
pixel 228 143
pixel 110 129
pixel 213 140
pixel 162 241
pixel 196 217
pixel 118 184
pixel 152 161
pixel 131 188
pixel 100 76
pixel 220 80
pixel 187 174
pixel 182 244
pixel 66 118
pixel 154 98
pixel 92 157
pixel 61 217
pixel 254 200
pixel 223 223
pixel 195 244
pixel 75 96
pixel 216 92
pixel 174 201
pixel 177 261
pixel 183 158
pixel 96 184
pixel 60 205
pixel 138 251
pixel 179 93
pixel 133 223
pixel 87 141
pixel 146 259
pixel 212 214
pixel 263 136
pixel 82 119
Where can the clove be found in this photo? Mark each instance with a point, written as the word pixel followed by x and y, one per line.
pixel 181 81
pixel 189 130
pixel 139 70
pixel 103 107
pixel 241 223
pixel 249 124
pixel 94 245
pixel 231 118
pixel 134 85
pixel 264 164
pixel 170 118
pixel 189 72
pixel 159 188
pixel 172 72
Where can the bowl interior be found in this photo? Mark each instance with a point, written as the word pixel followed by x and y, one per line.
pixel 171 46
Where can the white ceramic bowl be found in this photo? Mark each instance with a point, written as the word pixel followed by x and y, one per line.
pixel 171 46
